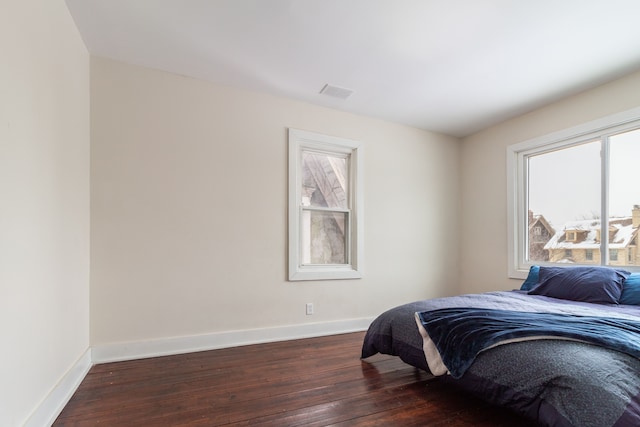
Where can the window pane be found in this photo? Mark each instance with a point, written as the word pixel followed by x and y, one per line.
pixel 324 237
pixel 564 199
pixel 323 180
pixel 624 198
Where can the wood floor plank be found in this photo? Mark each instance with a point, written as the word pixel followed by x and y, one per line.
pixel 309 382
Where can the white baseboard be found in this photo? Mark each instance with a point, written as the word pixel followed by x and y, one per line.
pixel 187 344
pixel 49 409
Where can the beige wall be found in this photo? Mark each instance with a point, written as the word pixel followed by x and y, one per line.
pixel 44 202
pixel 189 202
pixel 483 176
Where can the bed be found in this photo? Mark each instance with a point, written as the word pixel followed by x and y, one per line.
pixel 563 350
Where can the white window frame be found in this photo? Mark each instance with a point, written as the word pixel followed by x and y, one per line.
pixel 517 154
pixel 299 141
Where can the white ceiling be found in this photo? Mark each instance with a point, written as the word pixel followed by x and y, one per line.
pixel 450 66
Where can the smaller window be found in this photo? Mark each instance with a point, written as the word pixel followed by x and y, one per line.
pixel 571 236
pixel 589 255
pixel 537 231
pixel 325 207
pixel 567 253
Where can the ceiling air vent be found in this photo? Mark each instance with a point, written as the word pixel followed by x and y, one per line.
pixel 336 92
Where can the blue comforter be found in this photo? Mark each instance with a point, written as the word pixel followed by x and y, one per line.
pixel 461 333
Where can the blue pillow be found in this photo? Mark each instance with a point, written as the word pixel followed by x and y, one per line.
pixel 600 285
pixel 532 279
pixel 631 290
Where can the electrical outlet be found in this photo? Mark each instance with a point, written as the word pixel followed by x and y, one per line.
pixel 309 308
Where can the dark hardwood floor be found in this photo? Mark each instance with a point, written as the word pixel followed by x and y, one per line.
pixel 308 382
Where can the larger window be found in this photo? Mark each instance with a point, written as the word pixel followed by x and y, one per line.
pixel 581 186
pixel 325 207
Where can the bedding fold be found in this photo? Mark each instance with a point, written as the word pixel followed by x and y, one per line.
pixel 457 335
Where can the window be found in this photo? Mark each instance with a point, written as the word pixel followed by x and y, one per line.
pixel 580 181
pixel 568 253
pixel 588 255
pixel 325 207
pixel 613 254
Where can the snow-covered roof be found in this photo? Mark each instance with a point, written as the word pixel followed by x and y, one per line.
pixel 621 229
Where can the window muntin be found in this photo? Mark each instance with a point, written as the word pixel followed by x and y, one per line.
pixel 580 181
pixel 325 207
